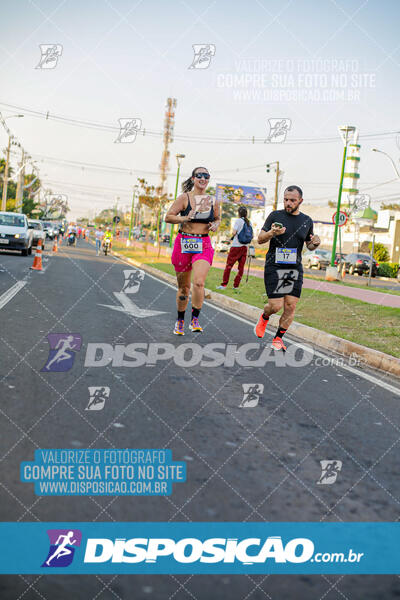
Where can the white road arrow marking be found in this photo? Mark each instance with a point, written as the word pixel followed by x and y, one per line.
pixel 131 308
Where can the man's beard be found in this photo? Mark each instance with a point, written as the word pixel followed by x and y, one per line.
pixel 290 209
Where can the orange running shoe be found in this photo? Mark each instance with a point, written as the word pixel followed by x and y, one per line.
pixel 278 344
pixel 195 325
pixel 259 329
pixel 179 325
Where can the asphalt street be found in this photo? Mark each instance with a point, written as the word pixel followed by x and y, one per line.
pixel 244 463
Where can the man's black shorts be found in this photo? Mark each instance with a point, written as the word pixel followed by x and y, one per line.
pixel 281 282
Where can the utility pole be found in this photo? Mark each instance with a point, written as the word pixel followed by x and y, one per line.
pixel 132 211
pixel 115 214
pixel 169 122
pixel 277 175
pixel 20 184
pixel 5 179
pixel 179 158
pixel 10 141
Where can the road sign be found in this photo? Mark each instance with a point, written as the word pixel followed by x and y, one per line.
pixel 116 219
pixel 343 217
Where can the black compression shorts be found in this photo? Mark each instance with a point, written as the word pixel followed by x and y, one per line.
pixel 283 282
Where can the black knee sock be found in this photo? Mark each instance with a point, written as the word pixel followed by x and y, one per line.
pixel 195 312
pixel 181 315
pixel 264 316
pixel 280 332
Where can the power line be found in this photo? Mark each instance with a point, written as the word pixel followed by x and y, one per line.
pixel 195 138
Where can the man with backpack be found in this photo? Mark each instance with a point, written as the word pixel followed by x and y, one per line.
pixel 242 235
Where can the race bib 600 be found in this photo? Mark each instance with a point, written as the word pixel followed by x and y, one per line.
pixel 191 245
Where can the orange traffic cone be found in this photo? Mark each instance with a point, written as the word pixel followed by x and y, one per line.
pixel 55 245
pixel 37 261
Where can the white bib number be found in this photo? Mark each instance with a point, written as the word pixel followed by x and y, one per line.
pixel 191 245
pixel 285 256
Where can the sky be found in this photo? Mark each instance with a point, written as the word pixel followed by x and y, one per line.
pixel 317 64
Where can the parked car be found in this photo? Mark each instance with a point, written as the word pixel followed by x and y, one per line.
pixel 223 246
pixel 359 264
pixel 317 258
pixel 15 233
pixel 38 232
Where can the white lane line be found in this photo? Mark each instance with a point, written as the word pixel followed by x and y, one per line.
pixel 9 294
pixel 371 378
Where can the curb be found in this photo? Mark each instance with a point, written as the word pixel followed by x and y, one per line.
pixel 367 356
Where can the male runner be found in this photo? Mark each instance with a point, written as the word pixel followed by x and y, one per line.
pixel 286 231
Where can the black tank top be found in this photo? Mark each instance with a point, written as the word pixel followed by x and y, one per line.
pixel 206 217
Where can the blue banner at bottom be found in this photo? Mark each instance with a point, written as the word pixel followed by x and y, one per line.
pixel 199 548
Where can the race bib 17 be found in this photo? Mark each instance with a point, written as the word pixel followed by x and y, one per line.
pixel 285 256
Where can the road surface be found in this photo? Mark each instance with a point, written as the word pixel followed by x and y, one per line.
pixel 259 463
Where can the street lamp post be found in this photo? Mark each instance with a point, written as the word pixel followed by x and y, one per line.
pixel 179 158
pixel 345 130
pixel 391 160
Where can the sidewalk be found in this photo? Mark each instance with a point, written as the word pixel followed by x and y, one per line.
pixel 369 296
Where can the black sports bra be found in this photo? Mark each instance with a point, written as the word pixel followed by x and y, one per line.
pixel 204 217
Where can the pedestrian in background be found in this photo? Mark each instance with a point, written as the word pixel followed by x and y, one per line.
pixel 98 236
pixel 242 235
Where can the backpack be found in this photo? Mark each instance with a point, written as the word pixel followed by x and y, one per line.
pixel 246 234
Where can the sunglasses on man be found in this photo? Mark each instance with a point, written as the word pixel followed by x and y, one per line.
pixel 200 175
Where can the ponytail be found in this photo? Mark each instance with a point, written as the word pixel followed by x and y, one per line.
pixel 243 215
pixel 188 184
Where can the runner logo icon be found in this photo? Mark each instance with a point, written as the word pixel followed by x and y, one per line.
pixel 330 470
pixel 128 129
pixel 98 396
pixel 133 279
pixel 286 281
pixel 251 394
pixel 278 129
pixel 62 351
pixel 203 54
pixel 50 53
pixel 62 547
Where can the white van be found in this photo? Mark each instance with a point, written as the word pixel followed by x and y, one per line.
pixel 15 233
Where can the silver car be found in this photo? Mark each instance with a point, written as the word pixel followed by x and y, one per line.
pixel 38 232
pixel 15 233
pixel 317 258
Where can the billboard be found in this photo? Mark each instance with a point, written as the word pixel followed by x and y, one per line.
pixel 241 194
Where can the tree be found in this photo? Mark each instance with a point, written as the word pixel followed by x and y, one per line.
pixel 230 207
pixel 380 252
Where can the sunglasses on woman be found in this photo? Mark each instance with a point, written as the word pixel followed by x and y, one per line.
pixel 200 175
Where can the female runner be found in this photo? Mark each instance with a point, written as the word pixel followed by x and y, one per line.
pixel 197 213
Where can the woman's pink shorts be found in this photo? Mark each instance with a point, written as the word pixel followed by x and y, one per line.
pixel 183 261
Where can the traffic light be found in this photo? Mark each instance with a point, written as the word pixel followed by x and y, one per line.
pixel 268 168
